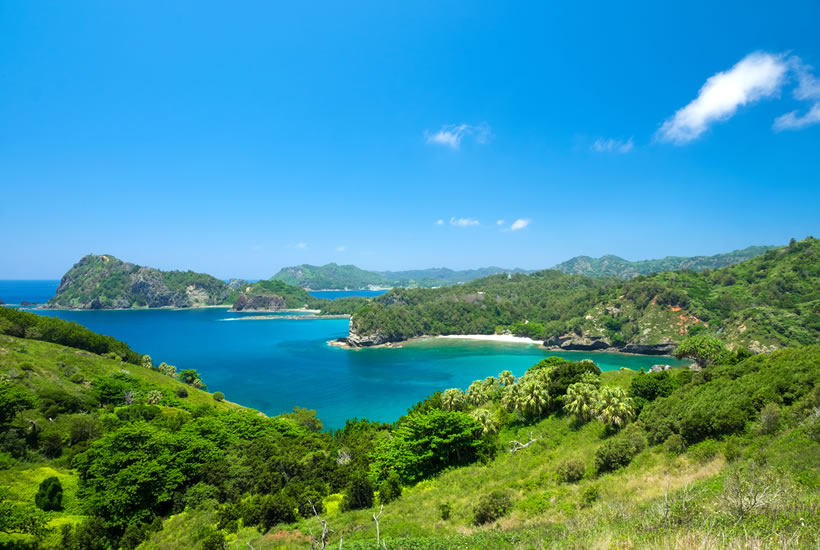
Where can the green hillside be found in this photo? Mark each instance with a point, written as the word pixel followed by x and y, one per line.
pixel 105 282
pixel 613 266
pixel 764 303
pixel 100 453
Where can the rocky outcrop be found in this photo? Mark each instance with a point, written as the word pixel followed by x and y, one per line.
pixel 357 340
pixel 257 302
pixel 584 342
pixel 104 282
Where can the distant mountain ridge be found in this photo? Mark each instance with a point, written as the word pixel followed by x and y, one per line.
pixel 614 266
pixel 346 277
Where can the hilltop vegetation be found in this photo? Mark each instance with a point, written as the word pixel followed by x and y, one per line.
pixel 130 456
pixel 613 266
pixel 105 282
pixel 763 304
pixel 341 277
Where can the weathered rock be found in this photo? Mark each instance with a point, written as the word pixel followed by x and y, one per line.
pixel 357 340
pixel 259 302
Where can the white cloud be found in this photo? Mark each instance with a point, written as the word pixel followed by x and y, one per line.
pixel 340 249
pixel 439 222
pixel 611 145
pixel 301 245
pixel 756 76
pixel 520 223
pixel 499 222
pixel 808 89
pixel 451 135
pixel 463 222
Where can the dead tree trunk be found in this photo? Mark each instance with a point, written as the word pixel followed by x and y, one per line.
pixel 376 519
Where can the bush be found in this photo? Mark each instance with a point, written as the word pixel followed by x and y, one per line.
pixel 704 451
pixel 359 494
pixel 219 396
pixel 49 496
pixel 182 392
pixel 491 507
pixel 444 510
pixel 77 378
pixel 613 454
pixel 570 471
pixel 769 419
pixel 675 444
pixel 276 509
pixel 589 495
pixel 390 489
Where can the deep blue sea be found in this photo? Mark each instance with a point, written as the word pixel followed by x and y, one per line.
pixel 274 365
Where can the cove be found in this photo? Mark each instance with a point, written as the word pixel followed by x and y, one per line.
pixel 274 365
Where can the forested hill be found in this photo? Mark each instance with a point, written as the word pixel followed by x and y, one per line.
pixel 105 282
pixel 764 303
pixel 614 266
pixel 340 277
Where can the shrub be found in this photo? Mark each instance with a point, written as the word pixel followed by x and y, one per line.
pixel 51 445
pixel 390 489
pixel 675 444
pixel 219 396
pixel 182 392
pixel 617 452
pixel 77 378
pixel 492 506
pixel 27 366
pixel 444 510
pixel 769 419
pixel 50 495
pixel 275 509
pixel 570 471
pixel 589 495
pixel 704 451
pixel 359 494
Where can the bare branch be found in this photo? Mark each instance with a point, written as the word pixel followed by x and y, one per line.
pixel 516 445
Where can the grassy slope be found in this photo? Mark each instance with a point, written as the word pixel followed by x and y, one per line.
pixel 37 365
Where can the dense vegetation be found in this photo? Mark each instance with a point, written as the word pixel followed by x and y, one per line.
pixel 565 456
pixel 339 277
pixel 103 281
pixel 613 266
pixel 764 303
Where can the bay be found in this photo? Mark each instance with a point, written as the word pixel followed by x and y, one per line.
pixel 274 365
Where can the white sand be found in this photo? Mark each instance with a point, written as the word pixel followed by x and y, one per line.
pixel 494 338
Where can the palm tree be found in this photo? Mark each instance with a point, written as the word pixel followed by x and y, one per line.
pixel 478 393
pixel 614 407
pixel 487 421
pixel 511 397
pixel 506 378
pixel 533 397
pixel 591 379
pixel 453 399
pixel 581 401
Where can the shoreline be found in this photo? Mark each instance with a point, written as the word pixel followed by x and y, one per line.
pixel 498 338
pixel 308 317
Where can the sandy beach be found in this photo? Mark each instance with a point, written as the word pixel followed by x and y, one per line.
pixel 508 338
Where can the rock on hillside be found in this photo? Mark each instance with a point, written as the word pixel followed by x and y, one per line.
pixel 105 282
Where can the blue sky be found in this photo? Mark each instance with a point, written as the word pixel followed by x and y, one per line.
pixel 239 138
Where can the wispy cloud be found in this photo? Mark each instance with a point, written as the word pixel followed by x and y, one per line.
pixel 808 89
pixel 439 222
pixel 300 245
pixel 612 145
pixel 451 135
pixel 520 223
pixel 463 222
pixel 340 249
pixel 756 76
pixel 499 222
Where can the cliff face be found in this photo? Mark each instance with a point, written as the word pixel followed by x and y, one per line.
pixel 259 302
pixel 104 282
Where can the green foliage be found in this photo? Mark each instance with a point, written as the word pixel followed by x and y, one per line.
pixel 675 444
pixel 445 510
pixel 423 444
pixel 359 493
pixel 21 518
pixel 49 496
pixel 219 396
pixel 705 350
pixel 390 488
pixel 491 506
pixel 570 471
pixel 67 333
pixel 14 399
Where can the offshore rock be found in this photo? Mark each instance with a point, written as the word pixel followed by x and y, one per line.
pixel 258 302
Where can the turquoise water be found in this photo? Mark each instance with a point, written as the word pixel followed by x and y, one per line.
pixel 274 365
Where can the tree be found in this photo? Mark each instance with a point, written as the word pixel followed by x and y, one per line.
pixel 188 376
pixel 581 401
pixel 478 393
pixel 14 399
pixel 703 349
pixel 49 496
pixel 533 397
pixel 614 407
pixel 506 378
pixel 453 399
pixel 147 362
pixel 488 423
pixel 359 493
